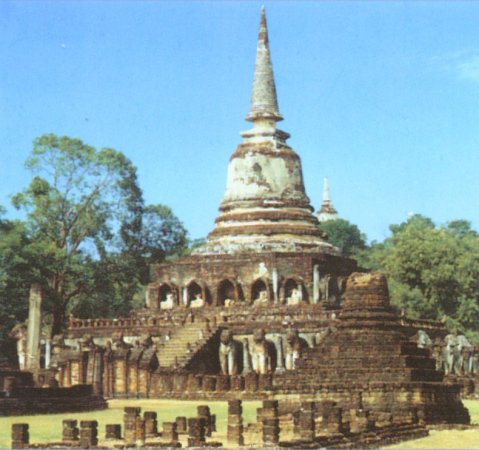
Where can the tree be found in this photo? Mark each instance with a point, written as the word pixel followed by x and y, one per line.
pixel 85 217
pixel 15 277
pixel 118 278
pixel 461 228
pixel 433 271
pixel 345 236
pixel 162 234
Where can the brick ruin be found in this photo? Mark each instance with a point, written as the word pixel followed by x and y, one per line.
pixel 370 363
pixel 268 309
pixel 30 390
pixel 278 425
pixel 20 396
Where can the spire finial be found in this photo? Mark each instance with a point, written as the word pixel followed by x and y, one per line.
pixel 264 104
pixel 326 198
pixel 327 210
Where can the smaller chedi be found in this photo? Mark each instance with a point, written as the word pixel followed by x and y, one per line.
pixel 370 356
pixel 327 210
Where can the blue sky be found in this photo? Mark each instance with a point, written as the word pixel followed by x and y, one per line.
pixel 381 97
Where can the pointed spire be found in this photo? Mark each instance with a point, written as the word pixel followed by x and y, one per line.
pixel 327 210
pixel 264 104
pixel 326 198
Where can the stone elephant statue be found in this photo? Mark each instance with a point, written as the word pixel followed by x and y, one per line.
pixel 438 353
pixel 474 362
pixel 293 349
pixel 457 354
pixel 263 353
pixel 423 340
pixel 450 354
pixel 453 353
pixel 465 354
pixel 230 353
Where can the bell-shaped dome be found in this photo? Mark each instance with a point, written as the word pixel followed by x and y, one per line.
pixel 265 206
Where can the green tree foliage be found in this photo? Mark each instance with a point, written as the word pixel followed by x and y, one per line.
pixel 117 279
pixel 162 235
pixel 15 277
pixel 433 271
pixel 344 235
pixel 88 228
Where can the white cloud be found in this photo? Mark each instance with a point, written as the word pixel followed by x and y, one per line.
pixel 469 69
pixel 464 64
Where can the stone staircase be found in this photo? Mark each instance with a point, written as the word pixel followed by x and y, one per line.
pixel 184 343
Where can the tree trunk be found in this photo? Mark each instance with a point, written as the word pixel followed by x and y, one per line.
pixel 58 324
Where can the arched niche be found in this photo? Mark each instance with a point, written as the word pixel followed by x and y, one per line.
pixel 294 292
pixel 168 296
pixel 228 293
pixel 260 292
pixel 198 294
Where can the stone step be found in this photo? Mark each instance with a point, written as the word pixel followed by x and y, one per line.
pixel 183 344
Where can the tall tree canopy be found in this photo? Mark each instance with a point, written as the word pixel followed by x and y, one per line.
pixel 15 276
pixel 433 271
pixel 88 226
pixel 344 235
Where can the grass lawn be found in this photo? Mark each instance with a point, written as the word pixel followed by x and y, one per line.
pixel 448 439
pixel 48 428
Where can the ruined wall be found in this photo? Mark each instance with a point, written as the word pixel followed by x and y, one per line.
pixel 30 400
pixel 243 271
pixel 370 355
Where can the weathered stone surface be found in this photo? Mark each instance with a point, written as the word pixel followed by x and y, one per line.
pixel 371 355
pixel 20 435
pixel 29 400
pixel 34 327
pixel 88 434
pixel 113 431
pixel 169 432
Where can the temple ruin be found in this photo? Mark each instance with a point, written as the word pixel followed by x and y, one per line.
pixel 267 309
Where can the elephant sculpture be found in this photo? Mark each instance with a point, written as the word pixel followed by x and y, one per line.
pixel 229 353
pixel 422 339
pixel 295 297
pixel 450 354
pixel 19 333
pixel 198 301
pixel 456 354
pixel 474 362
pixel 438 354
pixel 293 349
pixel 263 353
pixel 465 354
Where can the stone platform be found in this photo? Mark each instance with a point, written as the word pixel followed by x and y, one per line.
pixel 31 400
pixel 370 363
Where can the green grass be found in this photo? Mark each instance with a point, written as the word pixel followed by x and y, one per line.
pixel 448 439
pixel 48 428
pixel 473 407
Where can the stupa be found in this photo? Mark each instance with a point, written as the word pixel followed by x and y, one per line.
pixel 327 210
pixel 371 357
pixel 266 232
pixel 265 206
pixel 242 314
